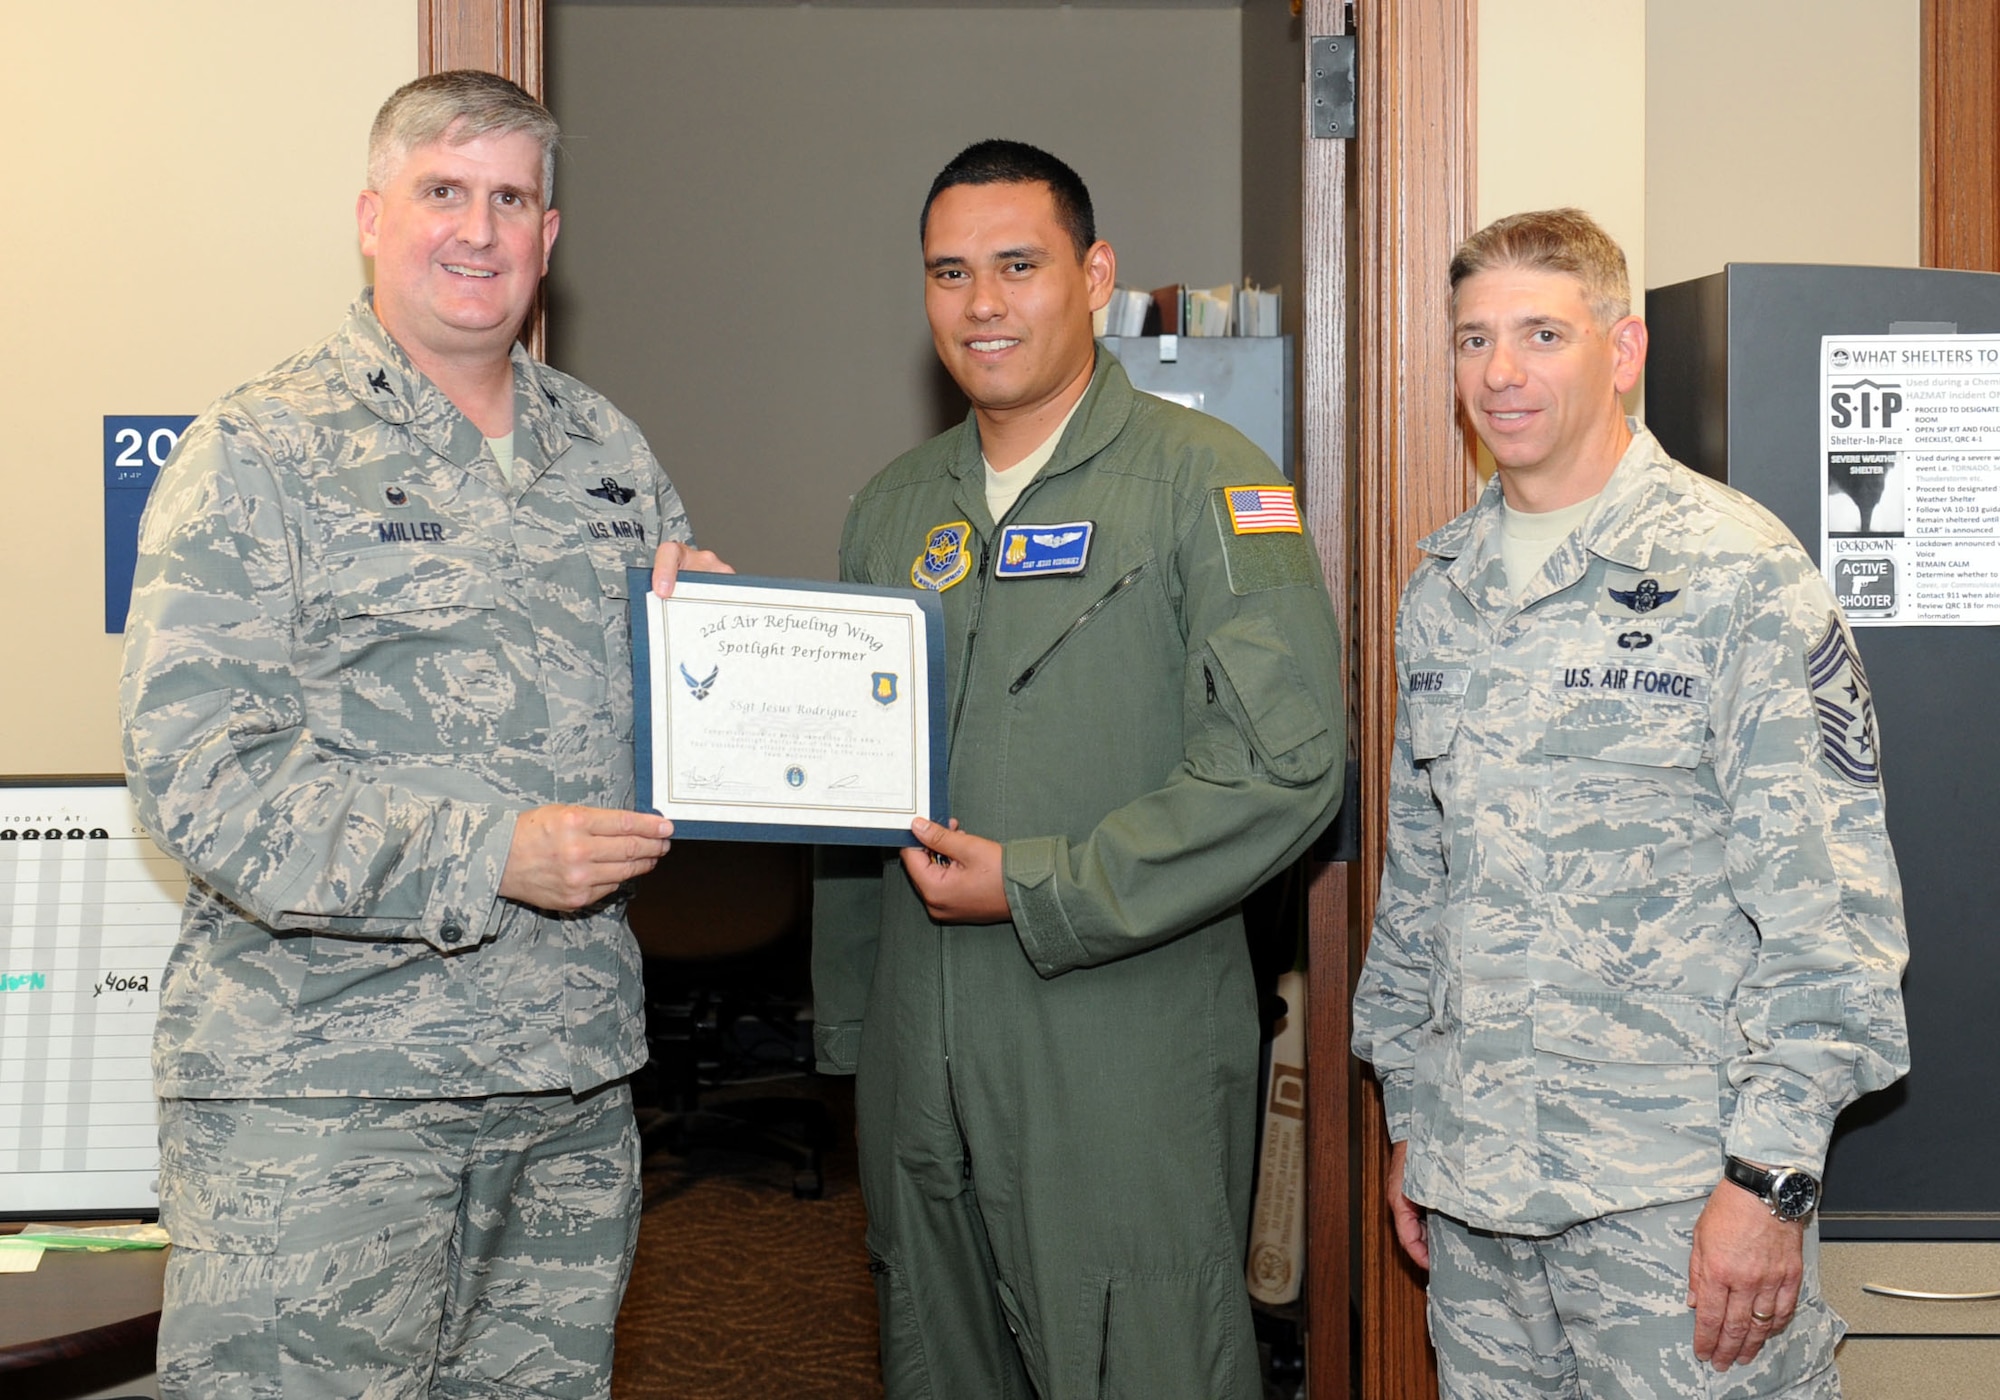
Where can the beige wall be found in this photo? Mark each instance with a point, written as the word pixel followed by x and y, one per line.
pixel 1702 132
pixel 1562 113
pixel 739 266
pixel 194 168
pixel 1780 131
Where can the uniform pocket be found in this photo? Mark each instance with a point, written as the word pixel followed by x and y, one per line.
pixel 1628 1089
pixel 1621 809
pixel 422 666
pixel 221 1215
pixel 1433 727
pixel 1285 717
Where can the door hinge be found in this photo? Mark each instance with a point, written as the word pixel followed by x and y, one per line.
pixel 1330 86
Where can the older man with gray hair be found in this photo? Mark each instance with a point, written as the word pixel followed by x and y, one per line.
pixel 377 699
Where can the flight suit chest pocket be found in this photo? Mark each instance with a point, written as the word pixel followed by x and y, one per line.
pixel 422 665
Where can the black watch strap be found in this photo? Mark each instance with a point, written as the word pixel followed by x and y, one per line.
pixel 1755 1180
pixel 1790 1193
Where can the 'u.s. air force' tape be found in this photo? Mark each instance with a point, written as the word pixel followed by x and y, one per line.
pixel 1634 680
pixel 1030 551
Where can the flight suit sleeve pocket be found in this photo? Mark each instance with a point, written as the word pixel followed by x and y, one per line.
pixel 1285 718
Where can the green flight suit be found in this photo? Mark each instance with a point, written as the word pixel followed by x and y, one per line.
pixel 1056 1114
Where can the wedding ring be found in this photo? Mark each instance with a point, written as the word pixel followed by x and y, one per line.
pixel 1756 1316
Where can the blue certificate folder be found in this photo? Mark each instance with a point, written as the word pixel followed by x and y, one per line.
pixel 803 821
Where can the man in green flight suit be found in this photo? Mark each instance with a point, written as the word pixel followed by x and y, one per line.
pixel 1053 1020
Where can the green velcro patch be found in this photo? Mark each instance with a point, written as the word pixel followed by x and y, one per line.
pixel 1258 562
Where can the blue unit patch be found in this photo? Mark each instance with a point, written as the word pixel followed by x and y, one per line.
pixel 1029 551
pixel 883 687
pixel 1846 709
pixel 943 560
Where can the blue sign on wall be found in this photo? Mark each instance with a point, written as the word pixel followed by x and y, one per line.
pixel 136 445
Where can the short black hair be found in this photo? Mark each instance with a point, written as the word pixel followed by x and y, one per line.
pixel 997 162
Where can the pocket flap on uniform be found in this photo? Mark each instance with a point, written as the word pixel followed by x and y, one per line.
pixel 1433 725
pixel 1613 1028
pixel 1653 734
pixel 388 581
pixel 613 579
pixel 224 1216
pixel 1286 716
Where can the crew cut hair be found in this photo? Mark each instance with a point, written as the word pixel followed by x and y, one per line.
pixel 1553 240
pixel 459 105
pixel 997 162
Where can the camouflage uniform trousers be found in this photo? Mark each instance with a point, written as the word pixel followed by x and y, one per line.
pixel 1600 1311
pixel 396 1247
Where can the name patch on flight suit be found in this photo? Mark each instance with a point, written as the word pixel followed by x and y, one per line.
pixel 1628 595
pixel 1647 681
pixel 1436 683
pixel 943 560
pixel 1027 551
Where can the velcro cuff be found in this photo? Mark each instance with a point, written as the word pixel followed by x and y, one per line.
pixel 1034 898
pixel 837 1048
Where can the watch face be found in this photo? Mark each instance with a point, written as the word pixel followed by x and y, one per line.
pixel 1793 1195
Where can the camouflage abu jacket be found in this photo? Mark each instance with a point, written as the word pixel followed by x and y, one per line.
pixel 355 656
pixel 1639 906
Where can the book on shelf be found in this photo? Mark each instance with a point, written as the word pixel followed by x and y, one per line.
pixel 1177 309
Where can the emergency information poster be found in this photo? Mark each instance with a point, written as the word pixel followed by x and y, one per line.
pixel 1910 444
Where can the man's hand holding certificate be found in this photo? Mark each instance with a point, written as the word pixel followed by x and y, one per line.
pixel 778 710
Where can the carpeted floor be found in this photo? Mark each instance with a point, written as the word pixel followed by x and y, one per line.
pixel 741 1290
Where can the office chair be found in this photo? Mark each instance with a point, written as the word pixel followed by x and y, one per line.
pixel 725 930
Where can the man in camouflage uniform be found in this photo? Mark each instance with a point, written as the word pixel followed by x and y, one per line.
pixel 1640 931
pixel 377 699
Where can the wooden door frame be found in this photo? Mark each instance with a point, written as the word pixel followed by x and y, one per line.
pixel 1382 463
pixel 1960 48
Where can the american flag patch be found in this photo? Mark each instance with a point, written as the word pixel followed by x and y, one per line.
pixel 1259 510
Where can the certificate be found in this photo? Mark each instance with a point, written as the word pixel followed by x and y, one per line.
pixel 782 710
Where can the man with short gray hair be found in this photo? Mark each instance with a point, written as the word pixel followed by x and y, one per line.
pixel 1640 933
pixel 377 699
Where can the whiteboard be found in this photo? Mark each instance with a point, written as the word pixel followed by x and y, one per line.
pixel 89 911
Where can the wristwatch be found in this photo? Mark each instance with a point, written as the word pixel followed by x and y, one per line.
pixel 1790 1193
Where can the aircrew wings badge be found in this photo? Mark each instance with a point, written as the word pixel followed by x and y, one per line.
pixel 1263 510
pixel 944 559
pixel 1846 709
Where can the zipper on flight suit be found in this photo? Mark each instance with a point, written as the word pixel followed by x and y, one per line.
pixel 1083 618
pixel 951 735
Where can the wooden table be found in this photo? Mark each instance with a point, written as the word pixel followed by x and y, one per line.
pixel 79 1305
